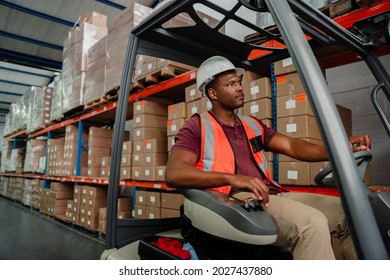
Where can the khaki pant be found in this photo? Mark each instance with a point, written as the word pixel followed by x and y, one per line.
pixel 308 223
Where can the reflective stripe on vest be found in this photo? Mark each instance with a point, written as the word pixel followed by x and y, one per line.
pixel 216 153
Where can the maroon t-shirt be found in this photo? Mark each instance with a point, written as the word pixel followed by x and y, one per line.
pixel 189 138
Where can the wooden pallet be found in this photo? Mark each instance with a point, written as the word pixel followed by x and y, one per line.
pixel 96 103
pixel 155 77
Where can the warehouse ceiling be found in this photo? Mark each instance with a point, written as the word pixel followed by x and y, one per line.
pixel 32 34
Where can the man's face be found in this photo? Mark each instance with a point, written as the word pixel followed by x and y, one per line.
pixel 229 92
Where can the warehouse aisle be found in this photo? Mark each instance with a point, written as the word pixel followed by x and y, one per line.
pixel 27 235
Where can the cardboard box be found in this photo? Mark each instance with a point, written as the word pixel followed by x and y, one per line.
pixel 103 213
pixel 137 160
pixel 127 147
pixel 171 200
pixel 177 111
pixel 125 172
pixel 96 192
pixel 97 202
pixel 160 173
pixel 293 105
pixel 153 212
pixel 192 93
pixel 94 141
pixel 284 66
pixel 205 104
pixel 126 160
pixel 150 107
pixel 299 127
pixel 148 173
pixel 100 132
pixel 153 199
pixel 261 109
pixel 99 152
pixel 136 172
pixel 289 84
pixel 170 142
pixel 151 146
pixel 257 89
pixel 141 197
pixel 194 107
pixel 124 215
pixel 173 126
pixel 142 133
pixel 140 211
pixel 249 76
pixel 94 172
pixel 154 159
pixel 345 115
pixel 294 173
pixel 124 204
pixel 149 120
pixel 169 213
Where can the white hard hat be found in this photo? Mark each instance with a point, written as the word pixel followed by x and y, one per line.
pixel 211 67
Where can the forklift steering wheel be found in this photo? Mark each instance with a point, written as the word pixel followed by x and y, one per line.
pixel 326 178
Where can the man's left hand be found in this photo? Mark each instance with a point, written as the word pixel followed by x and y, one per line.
pixel 360 143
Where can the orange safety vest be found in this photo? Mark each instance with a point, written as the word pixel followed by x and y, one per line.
pixel 216 153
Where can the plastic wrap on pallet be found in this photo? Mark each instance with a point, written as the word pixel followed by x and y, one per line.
pixel 35 156
pixel 27 192
pixel 96 71
pixel 39 109
pixel 16 161
pixel 119 29
pixel 75 56
pixel 6 150
pixel 58 99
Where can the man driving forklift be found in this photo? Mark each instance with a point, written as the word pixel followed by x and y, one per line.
pixel 223 151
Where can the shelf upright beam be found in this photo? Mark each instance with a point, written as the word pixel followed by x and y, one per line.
pixel 79 147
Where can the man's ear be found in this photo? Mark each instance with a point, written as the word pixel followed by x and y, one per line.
pixel 212 93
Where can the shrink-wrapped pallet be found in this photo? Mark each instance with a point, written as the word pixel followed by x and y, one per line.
pixel 80 39
pixel 119 29
pixel 39 108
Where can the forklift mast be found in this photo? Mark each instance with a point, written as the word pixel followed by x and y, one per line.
pixel 301 32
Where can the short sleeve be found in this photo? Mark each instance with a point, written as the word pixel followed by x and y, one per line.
pixel 188 137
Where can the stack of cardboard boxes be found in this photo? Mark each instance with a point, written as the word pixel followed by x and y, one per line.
pixel 149 145
pixel 296 119
pixel 124 212
pixel 70 152
pixel 99 148
pixel 54 199
pixel 36 193
pixel 92 198
pixel 154 205
pixel 92 28
pixel 55 154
